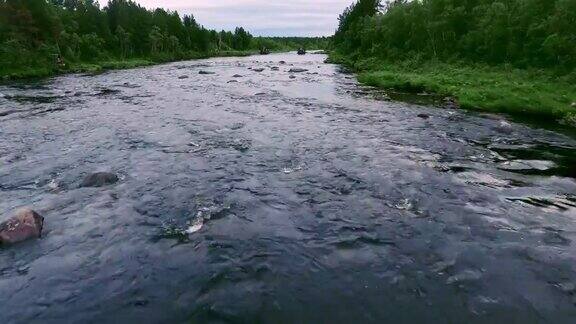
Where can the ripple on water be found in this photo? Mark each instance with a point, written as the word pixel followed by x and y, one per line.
pixel 317 201
pixel 551 203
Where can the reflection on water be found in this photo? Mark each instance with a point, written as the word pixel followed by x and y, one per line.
pixel 279 198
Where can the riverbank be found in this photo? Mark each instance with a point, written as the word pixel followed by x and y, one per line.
pixel 110 64
pixel 522 93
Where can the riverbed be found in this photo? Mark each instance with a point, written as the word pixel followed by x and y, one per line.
pixel 279 197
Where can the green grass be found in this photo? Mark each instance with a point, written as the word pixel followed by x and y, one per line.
pixel 110 64
pixel 522 93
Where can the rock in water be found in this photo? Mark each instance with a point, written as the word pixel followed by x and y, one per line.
pixel 206 72
pixel 237 76
pixel 26 224
pixel 451 103
pixel 99 179
pixel 183 77
pixel 258 70
pixel 297 70
pixel 424 116
pixel 504 127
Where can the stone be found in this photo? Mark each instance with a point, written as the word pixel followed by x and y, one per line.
pixel 237 76
pixel 24 225
pixel 183 77
pixel 297 70
pixel 206 72
pixel 504 127
pixel 99 179
pixel 258 70
pixel 282 62
pixel 424 116
pixel 451 103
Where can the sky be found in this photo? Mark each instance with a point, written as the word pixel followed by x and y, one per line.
pixel 261 17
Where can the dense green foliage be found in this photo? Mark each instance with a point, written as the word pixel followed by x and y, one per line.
pixel 525 33
pixel 33 33
pixel 512 56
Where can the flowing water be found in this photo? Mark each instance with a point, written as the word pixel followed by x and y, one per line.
pixel 278 197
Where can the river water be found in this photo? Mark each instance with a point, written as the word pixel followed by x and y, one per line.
pixel 268 198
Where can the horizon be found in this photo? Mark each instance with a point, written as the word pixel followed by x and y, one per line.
pixel 299 18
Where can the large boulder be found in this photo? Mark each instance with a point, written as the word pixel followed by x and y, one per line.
pixel 99 179
pixel 25 224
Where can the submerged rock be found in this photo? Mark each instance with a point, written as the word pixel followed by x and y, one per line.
pixel 183 77
pixel 26 224
pixel 282 62
pixel 237 76
pixel 206 72
pixel 106 91
pixel 258 70
pixel 297 70
pixel 99 179
pixel 424 116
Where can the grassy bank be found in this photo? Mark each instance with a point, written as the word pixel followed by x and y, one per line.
pixel 110 64
pixel 524 93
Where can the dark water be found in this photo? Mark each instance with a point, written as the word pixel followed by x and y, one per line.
pixel 279 200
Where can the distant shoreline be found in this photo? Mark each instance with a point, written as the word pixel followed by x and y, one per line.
pixel 116 64
pixel 522 94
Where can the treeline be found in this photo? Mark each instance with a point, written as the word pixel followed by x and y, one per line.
pixel 79 30
pixel 524 33
pixel 34 33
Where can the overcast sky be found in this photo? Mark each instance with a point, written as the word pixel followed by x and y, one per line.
pixel 261 17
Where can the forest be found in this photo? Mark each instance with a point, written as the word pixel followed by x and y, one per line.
pixel 516 56
pixel 34 33
pixel 524 33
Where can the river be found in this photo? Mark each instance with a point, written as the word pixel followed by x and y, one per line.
pixel 278 197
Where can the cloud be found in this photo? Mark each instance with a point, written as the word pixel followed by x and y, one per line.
pixel 261 17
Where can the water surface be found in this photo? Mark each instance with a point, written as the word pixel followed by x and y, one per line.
pixel 278 197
